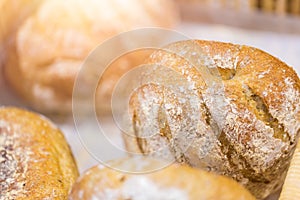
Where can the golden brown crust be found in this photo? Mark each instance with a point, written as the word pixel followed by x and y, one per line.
pixel 35 161
pixel 172 182
pixel 49 46
pixel 244 126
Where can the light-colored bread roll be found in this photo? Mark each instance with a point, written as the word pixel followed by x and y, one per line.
pixel 35 160
pixel 244 126
pixel 113 74
pixel 170 183
pixel 45 48
pixel 10 21
pixel 13 14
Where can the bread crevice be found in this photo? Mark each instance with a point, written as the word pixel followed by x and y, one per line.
pixel 261 111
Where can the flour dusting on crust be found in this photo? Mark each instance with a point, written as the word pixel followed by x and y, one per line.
pixel 13 166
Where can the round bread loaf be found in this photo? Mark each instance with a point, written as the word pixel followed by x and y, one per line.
pixel 46 47
pixel 173 182
pixel 35 160
pixel 231 109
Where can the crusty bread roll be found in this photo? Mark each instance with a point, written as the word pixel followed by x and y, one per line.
pixel 48 47
pixel 35 160
pixel 173 182
pixel 244 125
pixel 291 186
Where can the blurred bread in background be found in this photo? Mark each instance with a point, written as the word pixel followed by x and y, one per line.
pixel 281 7
pixel 269 15
pixel 44 43
pixel 277 6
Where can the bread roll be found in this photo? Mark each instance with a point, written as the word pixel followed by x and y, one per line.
pixel 173 182
pixel 244 124
pixel 46 50
pixel 11 18
pixel 113 74
pixel 35 160
pixel 10 21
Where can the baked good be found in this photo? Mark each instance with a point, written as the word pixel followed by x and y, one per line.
pixel 265 6
pixel 48 47
pixel 173 182
pixel 35 160
pixel 111 76
pixel 222 107
pixel 279 7
pixel 291 186
pixel 9 22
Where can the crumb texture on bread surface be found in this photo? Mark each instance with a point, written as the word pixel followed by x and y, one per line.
pixel 35 161
pixel 227 108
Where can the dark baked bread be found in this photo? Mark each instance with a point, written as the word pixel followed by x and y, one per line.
pixel 244 125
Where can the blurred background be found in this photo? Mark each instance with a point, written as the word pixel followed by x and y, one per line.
pixel 271 25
